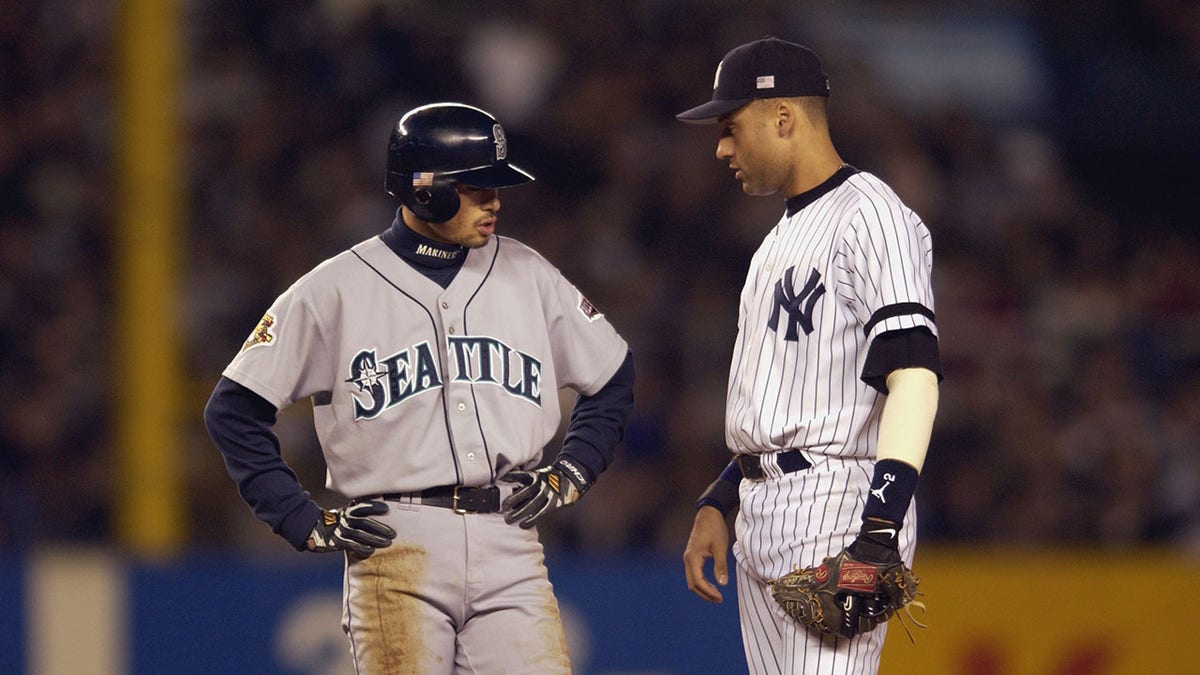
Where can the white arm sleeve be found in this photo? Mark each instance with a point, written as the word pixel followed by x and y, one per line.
pixel 908 413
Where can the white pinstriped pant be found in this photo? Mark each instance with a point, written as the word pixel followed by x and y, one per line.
pixel 796 520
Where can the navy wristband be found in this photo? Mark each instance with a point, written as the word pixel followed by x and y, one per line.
pixel 892 489
pixel 722 493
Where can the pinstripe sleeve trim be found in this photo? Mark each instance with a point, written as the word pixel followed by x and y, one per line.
pixel 899 309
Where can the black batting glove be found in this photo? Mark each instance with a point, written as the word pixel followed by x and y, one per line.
pixel 351 529
pixel 544 491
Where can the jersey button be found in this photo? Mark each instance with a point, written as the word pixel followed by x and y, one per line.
pixel 445 305
pixel 451 331
pixel 462 407
pixel 471 456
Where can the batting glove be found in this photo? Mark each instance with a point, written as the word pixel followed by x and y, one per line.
pixel 543 491
pixel 350 529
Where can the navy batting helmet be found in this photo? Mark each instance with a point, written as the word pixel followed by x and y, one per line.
pixel 437 145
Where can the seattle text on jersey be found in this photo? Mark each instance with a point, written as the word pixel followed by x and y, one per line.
pixel 382 384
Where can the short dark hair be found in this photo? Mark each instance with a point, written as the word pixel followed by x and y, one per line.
pixel 816 107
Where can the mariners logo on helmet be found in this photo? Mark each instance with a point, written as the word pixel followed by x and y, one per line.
pixel 501 142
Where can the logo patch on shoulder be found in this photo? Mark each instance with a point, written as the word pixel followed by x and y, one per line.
pixel 589 311
pixel 262 334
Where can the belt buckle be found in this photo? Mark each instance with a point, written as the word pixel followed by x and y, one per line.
pixel 751 466
pixel 454 501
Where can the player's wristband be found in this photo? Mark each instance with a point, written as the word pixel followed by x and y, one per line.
pixel 892 489
pixel 722 493
pixel 576 472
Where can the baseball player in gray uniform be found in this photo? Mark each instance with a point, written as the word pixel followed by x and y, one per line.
pixel 833 384
pixel 432 355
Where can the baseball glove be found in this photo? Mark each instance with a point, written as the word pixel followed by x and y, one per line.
pixel 846 596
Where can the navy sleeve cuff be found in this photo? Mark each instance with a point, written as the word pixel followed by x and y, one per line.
pixel 893 350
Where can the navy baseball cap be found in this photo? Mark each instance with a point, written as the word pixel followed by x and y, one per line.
pixel 766 68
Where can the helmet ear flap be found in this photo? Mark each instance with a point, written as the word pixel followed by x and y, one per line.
pixel 433 203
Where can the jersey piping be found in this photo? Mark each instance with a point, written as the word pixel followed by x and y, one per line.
pixel 441 363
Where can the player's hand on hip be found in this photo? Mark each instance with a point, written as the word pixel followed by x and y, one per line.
pixel 543 491
pixel 352 529
pixel 709 539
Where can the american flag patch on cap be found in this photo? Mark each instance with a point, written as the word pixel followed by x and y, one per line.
pixel 764 82
pixel 422 179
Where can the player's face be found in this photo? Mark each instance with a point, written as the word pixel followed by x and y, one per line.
pixel 751 146
pixel 475 221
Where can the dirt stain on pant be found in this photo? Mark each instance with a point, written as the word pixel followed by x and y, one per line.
pixel 385 625
pixel 552 657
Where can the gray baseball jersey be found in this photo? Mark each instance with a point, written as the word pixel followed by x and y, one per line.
pixel 847 266
pixel 415 386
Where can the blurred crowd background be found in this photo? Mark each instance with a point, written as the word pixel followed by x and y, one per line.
pixel 1051 147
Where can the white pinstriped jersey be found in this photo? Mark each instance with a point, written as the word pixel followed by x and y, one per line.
pixel 825 282
pixel 853 263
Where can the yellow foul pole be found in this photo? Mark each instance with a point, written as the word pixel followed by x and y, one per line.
pixel 147 373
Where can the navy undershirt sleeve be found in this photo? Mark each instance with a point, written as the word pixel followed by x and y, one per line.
pixel 598 421
pixel 239 422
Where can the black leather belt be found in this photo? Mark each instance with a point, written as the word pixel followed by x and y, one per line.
pixel 789 462
pixel 461 499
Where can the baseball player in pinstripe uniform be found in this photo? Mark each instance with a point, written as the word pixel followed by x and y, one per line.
pixel 833 384
pixel 432 355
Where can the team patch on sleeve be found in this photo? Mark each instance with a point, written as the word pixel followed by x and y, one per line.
pixel 589 311
pixel 262 334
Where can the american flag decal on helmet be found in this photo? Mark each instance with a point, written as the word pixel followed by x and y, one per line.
pixel 422 179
